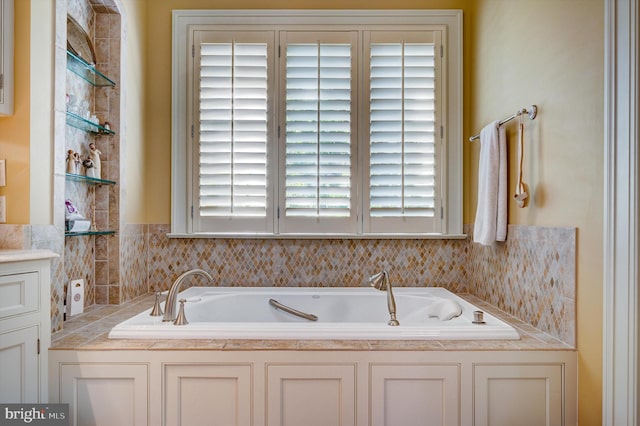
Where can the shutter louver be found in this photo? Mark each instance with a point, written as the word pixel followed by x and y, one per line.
pixel 402 130
pixel 233 129
pixel 318 130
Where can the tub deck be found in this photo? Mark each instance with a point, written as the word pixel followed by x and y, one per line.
pixel 89 331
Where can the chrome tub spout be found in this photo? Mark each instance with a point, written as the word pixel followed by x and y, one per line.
pixel 170 304
pixel 380 281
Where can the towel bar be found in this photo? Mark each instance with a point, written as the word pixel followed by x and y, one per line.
pixel 532 112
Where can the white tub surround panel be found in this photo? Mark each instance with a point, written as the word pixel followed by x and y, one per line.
pixel 316 388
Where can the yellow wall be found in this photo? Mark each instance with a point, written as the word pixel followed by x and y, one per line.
pixel 158 151
pixel 14 130
pixel 549 53
pixel 40 208
pixel 133 111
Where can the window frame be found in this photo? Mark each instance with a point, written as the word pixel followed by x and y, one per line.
pixel 447 21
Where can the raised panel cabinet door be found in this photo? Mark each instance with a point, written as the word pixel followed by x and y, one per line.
pixel 207 394
pixel 106 394
pixel 311 395
pixel 518 394
pixel 19 372
pixel 414 395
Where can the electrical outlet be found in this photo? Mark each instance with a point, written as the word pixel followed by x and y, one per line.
pixel 3 209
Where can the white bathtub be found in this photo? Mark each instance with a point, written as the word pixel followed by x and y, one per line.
pixel 343 313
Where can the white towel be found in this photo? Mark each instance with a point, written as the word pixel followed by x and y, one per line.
pixel 491 214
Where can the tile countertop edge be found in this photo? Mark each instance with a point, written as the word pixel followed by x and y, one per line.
pixel 10 255
pixel 89 332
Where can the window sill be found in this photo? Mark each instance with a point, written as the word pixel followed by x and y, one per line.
pixel 241 236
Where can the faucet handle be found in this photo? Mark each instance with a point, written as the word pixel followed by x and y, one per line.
pixel 181 319
pixel 157 310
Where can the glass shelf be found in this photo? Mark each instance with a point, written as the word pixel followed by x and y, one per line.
pixel 79 234
pixel 87 72
pixel 78 122
pixel 90 180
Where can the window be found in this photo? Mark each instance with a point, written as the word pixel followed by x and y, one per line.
pixel 319 122
pixel 404 147
pixel 301 123
pixel 231 181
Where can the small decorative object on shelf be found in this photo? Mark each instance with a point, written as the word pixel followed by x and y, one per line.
pixel 94 157
pixel 88 167
pixel 74 220
pixel 72 211
pixel 73 162
pixel 106 125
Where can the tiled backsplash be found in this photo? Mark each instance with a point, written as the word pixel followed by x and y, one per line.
pixel 531 275
pixel 303 263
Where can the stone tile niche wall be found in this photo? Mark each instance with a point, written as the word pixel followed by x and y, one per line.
pixel 96 259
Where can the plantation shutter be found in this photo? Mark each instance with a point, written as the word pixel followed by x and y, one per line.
pixel 403 141
pixel 232 170
pixel 319 123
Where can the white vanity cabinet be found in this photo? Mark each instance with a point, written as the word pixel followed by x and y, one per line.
pixel 25 326
pixel 315 387
pixel 6 57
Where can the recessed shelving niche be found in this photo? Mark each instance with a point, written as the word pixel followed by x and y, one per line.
pixel 90 63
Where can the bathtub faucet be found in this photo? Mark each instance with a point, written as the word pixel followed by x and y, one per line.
pixel 381 282
pixel 172 296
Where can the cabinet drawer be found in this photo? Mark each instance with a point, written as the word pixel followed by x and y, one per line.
pixel 19 294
